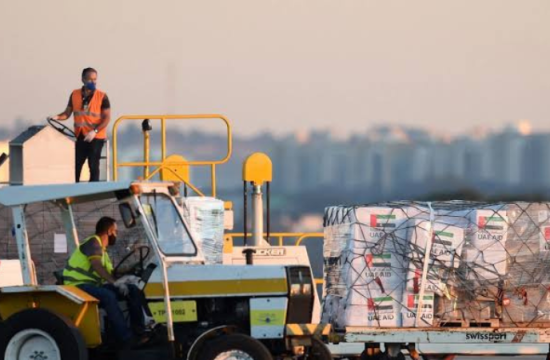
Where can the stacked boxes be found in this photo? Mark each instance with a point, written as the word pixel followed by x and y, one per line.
pixel 444 258
pixel 484 257
pixel 365 254
pixel 527 306
pixel 204 216
pixel 484 260
pixel 410 308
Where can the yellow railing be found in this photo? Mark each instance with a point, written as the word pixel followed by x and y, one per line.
pixel 282 239
pixel 169 165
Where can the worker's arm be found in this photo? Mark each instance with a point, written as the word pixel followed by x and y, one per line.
pixel 105 113
pixel 105 118
pixel 98 267
pixel 65 114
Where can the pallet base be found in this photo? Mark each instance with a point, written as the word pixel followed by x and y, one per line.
pixel 465 323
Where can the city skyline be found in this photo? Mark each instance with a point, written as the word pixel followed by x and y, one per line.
pixel 523 126
pixel 393 160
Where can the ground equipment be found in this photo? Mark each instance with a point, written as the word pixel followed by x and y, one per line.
pixel 202 311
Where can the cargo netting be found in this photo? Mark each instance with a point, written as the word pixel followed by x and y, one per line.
pixel 455 263
pixel 204 217
pixel 44 221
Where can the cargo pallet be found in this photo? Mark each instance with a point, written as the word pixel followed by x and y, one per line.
pixel 466 323
pixel 434 342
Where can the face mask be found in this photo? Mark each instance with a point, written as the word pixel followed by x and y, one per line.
pixel 112 240
pixel 90 85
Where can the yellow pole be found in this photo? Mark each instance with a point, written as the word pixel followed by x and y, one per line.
pixel 146 138
pixel 114 152
pixel 163 138
pixel 213 180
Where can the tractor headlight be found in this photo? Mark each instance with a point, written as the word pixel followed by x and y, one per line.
pixel 295 289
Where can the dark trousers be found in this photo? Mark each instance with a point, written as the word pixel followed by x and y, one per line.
pixel 108 297
pixel 90 151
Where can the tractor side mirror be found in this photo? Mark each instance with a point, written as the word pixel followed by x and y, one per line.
pixel 127 215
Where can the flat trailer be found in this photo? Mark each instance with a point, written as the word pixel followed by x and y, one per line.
pixel 437 343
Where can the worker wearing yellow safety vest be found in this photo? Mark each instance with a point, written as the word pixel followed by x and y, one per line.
pixel 92 112
pixel 91 269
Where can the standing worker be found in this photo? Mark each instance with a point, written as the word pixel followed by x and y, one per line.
pixel 92 113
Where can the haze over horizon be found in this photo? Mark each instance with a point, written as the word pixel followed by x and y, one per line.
pixel 285 66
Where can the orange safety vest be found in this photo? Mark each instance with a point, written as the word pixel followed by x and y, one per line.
pixel 86 120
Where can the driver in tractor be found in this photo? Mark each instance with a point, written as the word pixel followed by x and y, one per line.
pixel 91 269
pixel 92 112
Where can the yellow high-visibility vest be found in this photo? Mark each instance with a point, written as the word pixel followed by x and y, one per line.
pixel 79 268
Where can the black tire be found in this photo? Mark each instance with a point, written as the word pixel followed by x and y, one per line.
pixel 386 356
pixel 318 351
pixel 400 356
pixel 439 357
pixel 238 342
pixel 372 354
pixel 66 335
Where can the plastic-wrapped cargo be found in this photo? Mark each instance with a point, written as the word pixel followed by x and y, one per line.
pixel 204 215
pixel 365 265
pixel 444 258
pixel 528 243
pixel 527 306
pixel 375 281
pixel 410 308
pixel 464 309
pixel 447 242
pixel 438 279
pixel 488 263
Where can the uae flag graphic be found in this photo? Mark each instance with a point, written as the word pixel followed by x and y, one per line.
pixel 431 275
pixel 381 303
pixel 412 301
pixel 440 237
pixel 382 221
pixel 490 222
pixel 382 260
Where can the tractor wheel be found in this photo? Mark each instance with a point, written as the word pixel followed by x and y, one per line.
pixel 41 334
pixel 318 351
pixel 234 346
pixel 372 353
pixel 439 357
pixel 387 356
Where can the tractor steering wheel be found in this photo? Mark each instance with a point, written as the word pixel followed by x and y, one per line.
pixel 137 267
pixel 62 128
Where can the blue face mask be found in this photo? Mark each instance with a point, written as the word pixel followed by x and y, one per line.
pixel 90 85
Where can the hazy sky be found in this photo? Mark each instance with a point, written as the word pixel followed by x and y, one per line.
pixel 285 65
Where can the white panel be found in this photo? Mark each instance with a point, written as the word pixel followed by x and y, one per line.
pixel 186 272
pixel 278 255
pixel 48 158
pixel 15 195
pixel 271 312
pixel 10 273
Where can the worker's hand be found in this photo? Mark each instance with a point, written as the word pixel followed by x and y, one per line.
pixel 128 279
pixel 90 136
pixel 122 289
pixel 131 279
pixel 53 117
pixel 119 281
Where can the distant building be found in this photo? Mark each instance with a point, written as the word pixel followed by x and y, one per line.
pixel 535 172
